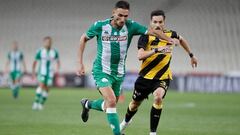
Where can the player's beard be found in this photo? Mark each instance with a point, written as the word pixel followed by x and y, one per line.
pixel 118 23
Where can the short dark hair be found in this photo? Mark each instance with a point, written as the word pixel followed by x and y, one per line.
pixel 158 13
pixel 122 4
pixel 47 38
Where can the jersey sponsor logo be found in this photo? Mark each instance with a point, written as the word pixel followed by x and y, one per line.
pixel 114 38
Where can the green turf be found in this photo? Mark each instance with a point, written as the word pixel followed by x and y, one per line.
pixel 184 114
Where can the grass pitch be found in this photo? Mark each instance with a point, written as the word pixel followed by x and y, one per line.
pixel 183 114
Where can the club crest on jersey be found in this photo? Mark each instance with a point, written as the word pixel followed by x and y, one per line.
pixel 114 38
pixel 104 80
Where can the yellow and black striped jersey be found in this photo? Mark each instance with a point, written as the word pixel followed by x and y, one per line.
pixel 157 65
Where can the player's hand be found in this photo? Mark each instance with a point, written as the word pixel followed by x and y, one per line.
pixel 165 49
pixel 81 70
pixel 194 62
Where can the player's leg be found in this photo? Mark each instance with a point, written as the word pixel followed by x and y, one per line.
pixel 131 111
pixel 39 91
pixel 142 90
pixel 111 111
pixel 102 80
pixel 157 106
pixel 38 96
pixel 44 95
pixel 11 82
pixel 105 84
pixel 45 89
pixel 16 83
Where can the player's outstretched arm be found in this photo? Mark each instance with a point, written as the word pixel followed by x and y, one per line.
pixel 7 67
pixel 142 54
pixel 33 68
pixel 160 35
pixel 83 41
pixel 185 45
pixel 58 66
pixel 24 66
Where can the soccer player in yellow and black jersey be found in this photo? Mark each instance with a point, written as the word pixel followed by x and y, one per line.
pixel 155 74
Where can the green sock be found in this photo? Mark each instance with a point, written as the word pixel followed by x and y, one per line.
pixel 96 104
pixel 38 95
pixel 44 97
pixel 113 120
pixel 16 91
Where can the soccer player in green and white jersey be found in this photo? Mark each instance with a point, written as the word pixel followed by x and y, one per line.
pixel 45 58
pixel 14 68
pixel 113 39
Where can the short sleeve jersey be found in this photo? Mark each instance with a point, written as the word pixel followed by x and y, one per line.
pixel 46 59
pixel 15 58
pixel 113 44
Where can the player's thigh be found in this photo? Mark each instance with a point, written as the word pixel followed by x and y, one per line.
pixel 102 80
pixel 49 81
pixel 117 85
pixel 109 96
pixel 104 84
pixel 43 81
pixel 18 76
pixel 142 88
pixel 12 76
pixel 161 88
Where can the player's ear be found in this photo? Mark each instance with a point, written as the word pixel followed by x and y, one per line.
pixel 113 11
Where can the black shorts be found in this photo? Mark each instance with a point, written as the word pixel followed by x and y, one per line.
pixel 143 87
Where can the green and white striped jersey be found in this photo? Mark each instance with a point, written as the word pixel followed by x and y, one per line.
pixel 46 58
pixel 15 58
pixel 113 44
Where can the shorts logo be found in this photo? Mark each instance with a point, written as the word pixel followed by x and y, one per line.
pixel 104 80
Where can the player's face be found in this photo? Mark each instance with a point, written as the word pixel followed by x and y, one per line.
pixel 157 22
pixel 15 46
pixel 47 43
pixel 120 16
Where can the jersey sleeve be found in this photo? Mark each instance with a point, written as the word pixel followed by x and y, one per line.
pixel 94 30
pixel 38 55
pixel 138 29
pixel 175 35
pixel 142 41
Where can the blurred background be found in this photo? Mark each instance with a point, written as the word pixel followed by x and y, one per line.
pixel 212 27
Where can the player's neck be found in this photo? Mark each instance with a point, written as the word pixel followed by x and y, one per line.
pixel 114 25
pixel 47 48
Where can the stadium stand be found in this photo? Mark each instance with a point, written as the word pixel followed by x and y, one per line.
pixel 211 26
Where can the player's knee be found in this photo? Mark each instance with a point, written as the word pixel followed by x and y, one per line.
pixel 158 95
pixel 111 102
pixel 157 99
pixel 134 105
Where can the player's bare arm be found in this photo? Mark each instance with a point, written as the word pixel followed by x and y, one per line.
pixel 185 45
pixel 33 68
pixel 58 65
pixel 160 35
pixel 24 66
pixel 142 54
pixel 83 41
pixel 7 66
